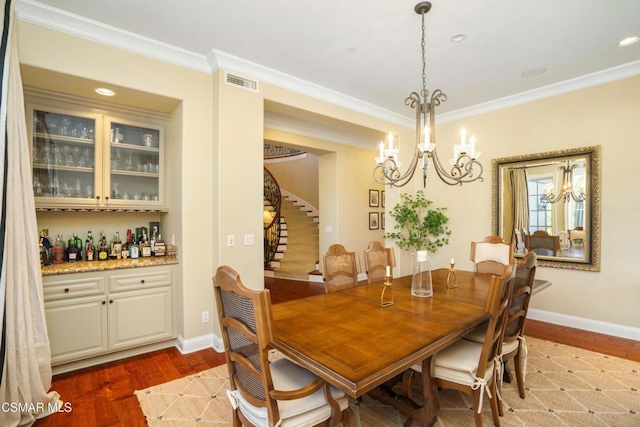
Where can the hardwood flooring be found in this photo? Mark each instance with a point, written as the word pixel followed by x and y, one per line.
pixel 103 395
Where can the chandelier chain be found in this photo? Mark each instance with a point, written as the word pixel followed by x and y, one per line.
pixel 424 59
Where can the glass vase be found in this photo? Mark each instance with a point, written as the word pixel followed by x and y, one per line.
pixel 421 284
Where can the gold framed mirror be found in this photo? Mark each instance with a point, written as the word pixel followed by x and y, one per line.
pixel 549 203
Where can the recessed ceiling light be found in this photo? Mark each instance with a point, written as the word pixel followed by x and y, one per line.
pixel 457 38
pixel 627 41
pixel 105 91
pixel 532 72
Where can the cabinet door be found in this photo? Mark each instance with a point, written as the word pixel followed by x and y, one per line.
pixel 135 174
pixel 77 328
pixel 66 160
pixel 140 317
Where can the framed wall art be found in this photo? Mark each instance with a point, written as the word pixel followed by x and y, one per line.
pixel 374 220
pixel 374 198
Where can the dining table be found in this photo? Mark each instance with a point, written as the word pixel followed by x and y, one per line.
pixel 353 342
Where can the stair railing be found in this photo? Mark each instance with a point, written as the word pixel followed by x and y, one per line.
pixel 271 228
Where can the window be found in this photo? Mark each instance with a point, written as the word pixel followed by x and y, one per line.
pixel 539 215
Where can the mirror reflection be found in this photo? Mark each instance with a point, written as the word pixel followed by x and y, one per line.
pixel 549 203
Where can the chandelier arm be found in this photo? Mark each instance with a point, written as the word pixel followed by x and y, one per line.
pixel 390 174
pixel 462 171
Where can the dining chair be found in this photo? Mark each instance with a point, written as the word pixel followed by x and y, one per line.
pixel 491 255
pixel 340 268
pixel 542 243
pixel 471 367
pixel 514 345
pixel 376 260
pixel 264 393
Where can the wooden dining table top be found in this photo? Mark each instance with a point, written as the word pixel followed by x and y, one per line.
pixel 353 343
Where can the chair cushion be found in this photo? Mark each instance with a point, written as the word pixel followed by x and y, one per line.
pixel 478 334
pixel 498 252
pixel 508 347
pixel 307 411
pixel 457 363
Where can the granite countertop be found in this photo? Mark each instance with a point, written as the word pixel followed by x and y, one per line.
pixel 89 266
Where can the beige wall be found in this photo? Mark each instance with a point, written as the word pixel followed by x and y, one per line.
pixel 605 115
pixel 298 176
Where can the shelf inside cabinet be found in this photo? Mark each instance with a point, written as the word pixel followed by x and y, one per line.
pixel 133 147
pixel 72 140
pixel 63 168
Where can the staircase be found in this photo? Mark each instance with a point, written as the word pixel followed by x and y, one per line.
pixel 297 254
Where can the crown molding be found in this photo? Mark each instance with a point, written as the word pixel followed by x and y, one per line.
pixel 588 80
pixel 58 20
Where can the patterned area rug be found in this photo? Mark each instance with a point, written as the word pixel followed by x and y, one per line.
pixel 565 386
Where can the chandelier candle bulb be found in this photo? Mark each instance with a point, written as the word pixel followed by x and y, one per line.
pixel 388 271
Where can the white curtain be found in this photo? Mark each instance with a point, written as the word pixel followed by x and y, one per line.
pixel 26 357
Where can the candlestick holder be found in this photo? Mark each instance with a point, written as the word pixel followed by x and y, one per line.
pixel 452 280
pixel 387 285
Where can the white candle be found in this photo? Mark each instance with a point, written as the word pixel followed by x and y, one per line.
pixel 390 141
pixel 381 148
pixel 427 136
pixel 452 261
pixel 388 271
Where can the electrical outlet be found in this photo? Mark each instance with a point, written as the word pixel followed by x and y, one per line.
pixel 205 317
pixel 231 240
pixel 249 240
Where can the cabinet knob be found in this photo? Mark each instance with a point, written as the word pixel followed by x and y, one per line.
pixel 97 198
pixel 104 302
pixel 110 301
pixel 142 281
pixel 66 290
pixel 106 198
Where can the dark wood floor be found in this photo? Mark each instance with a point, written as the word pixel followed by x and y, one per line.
pixel 103 395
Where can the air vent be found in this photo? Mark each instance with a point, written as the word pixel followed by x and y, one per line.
pixel 242 82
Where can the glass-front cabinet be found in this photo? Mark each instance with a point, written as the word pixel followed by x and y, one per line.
pixel 94 160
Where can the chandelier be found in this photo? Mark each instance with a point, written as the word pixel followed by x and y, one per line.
pixel 464 165
pixel 566 190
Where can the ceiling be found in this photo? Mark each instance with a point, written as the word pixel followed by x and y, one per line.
pixel 370 51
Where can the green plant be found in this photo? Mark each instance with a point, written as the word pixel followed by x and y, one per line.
pixel 420 227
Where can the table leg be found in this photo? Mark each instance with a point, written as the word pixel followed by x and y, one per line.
pixel 425 415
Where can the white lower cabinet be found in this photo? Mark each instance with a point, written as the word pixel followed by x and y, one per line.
pixel 86 318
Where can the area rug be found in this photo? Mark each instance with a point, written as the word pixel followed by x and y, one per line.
pixel 565 386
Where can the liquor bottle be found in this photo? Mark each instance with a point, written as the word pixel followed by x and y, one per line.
pixel 103 248
pixel 160 247
pixel 145 248
pixel 116 246
pixel 73 254
pixel 44 251
pixel 89 247
pixel 126 244
pixel 77 241
pixel 134 249
pixel 46 243
pixel 58 250
pixel 152 241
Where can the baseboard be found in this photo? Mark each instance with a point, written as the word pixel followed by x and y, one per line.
pixel 613 329
pixel 202 342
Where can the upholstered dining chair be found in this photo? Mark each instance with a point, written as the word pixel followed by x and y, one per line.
pixel 264 393
pixel 514 345
pixel 491 255
pixel 376 260
pixel 542 243
pixel 340 268
pixel 470 367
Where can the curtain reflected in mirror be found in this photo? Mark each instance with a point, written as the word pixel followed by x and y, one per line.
pixel 549 203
